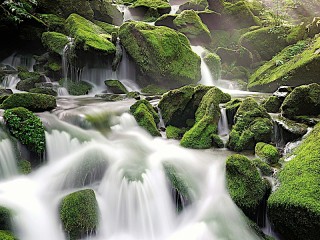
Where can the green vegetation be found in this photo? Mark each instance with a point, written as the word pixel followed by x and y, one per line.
pixel 53 22
pixel 272 104
pixel 44 90
pixel 24 167
pixel 116 86
pixel 161 54
pixel 173 132
pixel 76 88
pixel 245 185
pixel 294 208
pixel 24 74
pixel 252 125
pixel 154 90
pixel 196 5
pixel 5 218
pixel 88 36
pixel 264 168
pixel 6 235
pixel 18 11
pixel 157 5
pixel 213 62
pixel 54 41
pixel 79 213
pixel 146 116
pixel 35 102
pixel 267 152
pixel 27 128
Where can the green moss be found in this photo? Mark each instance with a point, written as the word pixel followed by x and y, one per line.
pixel 24 167
pixel 146 116
pixel 296 34
pixel 267 152
pixel 174 132
pixel 294 208
pixel 106 11
pixel 26 127
pixel 245 185
pixel 295 65
pixel 79 213
pixel 5 235
pixel 135 95
pixel 153 4
pixel 44 90
pixel 272 104
pixel 32 101
pixel 5 218
pixel 76 88
pixel 161 54
pixel 197 5
pixel 264 168
pixel 54 41
pixel 231 109
pixel 154 90
pixel 25 74
pixel 252 125
pixel 88 36
pixel 217 141
pixel 303 100
pixel 107 27
pixel 116 86
pixel 54 23
pixel 190 24
pixel 26 85
pixel 213 62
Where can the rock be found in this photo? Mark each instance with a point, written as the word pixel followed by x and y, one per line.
pixel 240 57
pixel 283 91
pixel 273 104
pixel 55 42
pixel 76 88
pixel 151 8
pixel 264 168
pixel 303 100
pixel 295 65
pixel 267 152
pixel 232 108
pixel 24 167
pixel 146 116
pixel 213 62
pixel 32 101
pixel 173 132
pixel 314 27
pixel 106 11
pixel 5 235
pixel 193 5
pixel 110 97
pixel 53 22
pixel 5 91
pixel 252 125
pixel 190 24
pixel 171 66
pixel 44 90
pixel 26 127
pixel 211 19
pixel 5 219
pixel 154 90
pixel 117 58
pixel 89 36
pixel 135 95
pixel 73 208
pixel 297 33
pixel 294 208
pixel 116 86
pixel 245 185
pixel 166 20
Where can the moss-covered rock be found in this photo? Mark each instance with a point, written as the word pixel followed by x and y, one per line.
pixel 151 8
pixel 314 27
pixel 303 100
pixel 193 5
pixel 295 65
pixel 267 152
pixel 252 125
pixel 264 168
pixel 44 90
pixel 273 104
pixel 25 74
pixel 116 86
pixel 24 167
pixel 89 36
pixel 173 132
pixel 76 88
pixel 55 42
pixel 32 101
pixel 245 185
pixel 5 219
pixel 53 22
pixel 232 108
pixel 146 116
pixel 6 235
pixel 162 55
pixel 154 90
pixel 213 62
pixel 79 213
pixel 239 57
pixel 26 127
pixel 190 24
pixel 106 11
pixel 296 34
pixel 294 208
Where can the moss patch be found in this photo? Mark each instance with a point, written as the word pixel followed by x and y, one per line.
pixel 213 62
pixel 54 41
pixel 267 152
pixel 116 86
pixel 272 104
pixel 174 132
pixel 76 88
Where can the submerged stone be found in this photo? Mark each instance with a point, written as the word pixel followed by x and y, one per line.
pixel 116 86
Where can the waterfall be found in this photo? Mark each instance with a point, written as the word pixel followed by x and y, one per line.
pixel 8 164
pixel 126 12
pixel 223 126
pixel 16 60
pixel 10 81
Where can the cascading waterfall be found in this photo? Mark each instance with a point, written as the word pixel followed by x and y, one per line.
pixel 16 60
pixel 10 81
pixel 223 126
pixel 125 169
pixel 8 166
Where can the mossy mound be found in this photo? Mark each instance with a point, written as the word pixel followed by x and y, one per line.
pixel 213 62
pixel 238 57
pixel 5 218
pixel 294 208
pixel 146 116
pixel 24 74
pixel 267 152
pixel 6 235
pixel 303 100
pixel 55 42
pixel 252 125
pixel 89 36
pixel 154 90
pixel 76 88
pixel 32 101
pixel 44 90
pixel 273 104
pixel 295 65
pixel 116 86
pixel 195 5
pixel 264 168
pixel 245 185
pixel 162 55
pixel 152 8
pixel 27 128
pixel 173 132
pixel 53 22
pixel 79 213
pixel 190 24
pixel 106 11
pixel 24 167
pixel 179 105
pixel 26 85
pixel 232 108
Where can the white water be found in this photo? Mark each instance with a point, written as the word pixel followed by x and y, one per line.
pixel 16 60
pixel 125 170
pixel 223 127
pixel 126 12
pixel 10 81
pixel 8 165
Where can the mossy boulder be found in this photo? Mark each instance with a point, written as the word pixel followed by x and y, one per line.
pixel 303 100
pixel 24 167
pixel 25 74
pixel 162 55
pixel 173 132
pixel 32 101
pixel 267 152
pixel 6 235
pixel 53 22
pixel 193 5
pixel 232 108
pixel 106 11
pixel 213 62
pixel 26 127
pixel 151 8
pixel 294 208
pixel 89 36
pixel 264 168
pixel 153 90
pixel 179 105
pixel 79 213
pixel 295 65
pixel 240 57
pixel 55 42
pixel 245 185
pixel 190 24
pixel 314 27
pixel 5 219
pixel 146 116
pixel 27 84
pixel 116 86
pixel 166 20
pixel 273 104
pixel 76 88
pixel 252 125
pixel 44 90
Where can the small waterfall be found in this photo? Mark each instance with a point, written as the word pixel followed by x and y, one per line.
pixel 16 60
pixel 174 9
pixel 62 91
pixel 8 164
pixel 10 81
pixel 126 12
pixel 70 72
pixel 223 126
